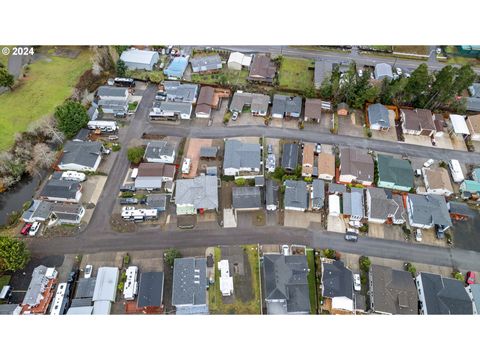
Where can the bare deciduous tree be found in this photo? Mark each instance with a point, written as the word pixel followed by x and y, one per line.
pixel 43 156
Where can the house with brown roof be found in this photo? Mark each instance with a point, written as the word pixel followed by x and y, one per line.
pixel 208 100
pixel 308 159
pixel 326 166
pixel 417 122
pixel 437 181
pixel 313 110
pixel 151 175
pixel 262 69
pixel 473 123
pixel 356 166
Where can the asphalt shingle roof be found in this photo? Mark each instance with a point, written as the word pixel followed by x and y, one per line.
pixel 81 153
pixel 397 171
pixel 290 156
pixel 378 114
pixel 429 209
pixel 337 280
pixel 296 194
pixel 201 191
pixel 150 291
pixel 65 189
pixel 318 193
pixel 189 281
pixel 246 197
pixel 241 155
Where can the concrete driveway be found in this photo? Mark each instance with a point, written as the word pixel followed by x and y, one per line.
pixel 336 224
pixel 300 219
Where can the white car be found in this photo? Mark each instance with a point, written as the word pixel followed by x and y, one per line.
pixel 418 235
pixel 128 208
pixel 318 148
pixel 235 116
pixel 360 73
pixel 399 71
pixel 357 285
pixel 285 250
pixel 88 271
pixel 428 163
pixel 34 229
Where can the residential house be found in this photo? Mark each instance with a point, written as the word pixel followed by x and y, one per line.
pixel 197 194
pixel 115 107
pixel 437 181
pixel 176 68
pixel 247 198
pixel 334 188
pixel 81 156
pixel 62 191
pixel 178 92
pixel 469 188
pixel 205 101
pixel 473 123
pixel 271 194
pixel 378 117
pixel 105 290
pixel 160 152
pixel 286 286
pixel 171 110
pixel 150 292
pixel 427 211
pixel 308 159
pixel 189 289
pixel 382 71
pixel 296 195
pixel 240 158
pixel 151 176
pixel 70 214
pixel 157 201
pixel 326 166
pixel 258 103
pixel 112 93
pixel 442 296
pixel 318 194
pixel 337 287
pixel 417 122
pixel 356 166
pixel 334 205
pixel 473 102
pixel 286 106
pixel 391 291
pixel 262 69
pixel 353 204
pixel 393 173
pixel 39 211
pixel 238 61
pixel 383 206
pixel 208 152
pixel 459 125
pixel 206 64
pixel 40 291
pixel 313 110
pixel 290 157
pixel 136 59
pixel 92 112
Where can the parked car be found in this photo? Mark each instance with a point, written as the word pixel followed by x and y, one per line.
pixel 418 235
pixel 88 271
pixel 113 137
pixel 106 151
pixel 399 71
pixel 318 148
pixel 285 250
pixel 128 201
pixel 128 188
pixel 357 285
pixel 351 236
pixel 270 149
pixel 418 172
pixel 440 232
pixel 26 229
pixel 470 278
pixel 234 116
pixel 428 163
pixel 34 229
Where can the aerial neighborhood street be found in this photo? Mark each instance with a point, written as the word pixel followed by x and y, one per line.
pixel 227 174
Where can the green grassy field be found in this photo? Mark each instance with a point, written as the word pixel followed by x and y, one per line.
pixel 48 83
pixel 311 281
pixel 294 74
pixel 233 77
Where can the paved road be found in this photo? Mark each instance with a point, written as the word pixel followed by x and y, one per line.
pixel 367 59
pixel 187 130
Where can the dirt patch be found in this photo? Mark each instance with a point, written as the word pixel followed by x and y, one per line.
pixel 66 52
pixel 120 225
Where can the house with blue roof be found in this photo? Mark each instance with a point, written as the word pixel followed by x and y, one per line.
pixel 176 68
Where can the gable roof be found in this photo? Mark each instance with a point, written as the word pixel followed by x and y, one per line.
pixel 262 68
pixel 296 194
pixel 318 193
pixel 271 192
pixel 326 164
pixel 394 291
pixel 313 108
pixel 206 96
pixel 286 279
pixel 189 281
pixel 258 102
pixel 445 296
pixel 179 92
pixel 357 163
pixel 383 203
pixel 150 292
pixel 208 151
pixel 112 91
pixel 246 197
pixel 290 156
pixel 201 192
pixel 429 209
pixel 397 171
pixel 283 104
pixel 157 149
pixel 58 188
pixel 337 280
pixel 138 56
pixel 437 178
pixel 418 119
pixel 336 188
pixel 156 170
pixel 81 153
pixel 241 155
pixel 353 203
pixel 378 114
pixel 206 63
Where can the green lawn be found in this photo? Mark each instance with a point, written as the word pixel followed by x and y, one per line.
pixel 232 77
pixel 411 49
pixel 295 74
pixel 311 281
pixel 4 280
pixel 48 84
pixel 215 303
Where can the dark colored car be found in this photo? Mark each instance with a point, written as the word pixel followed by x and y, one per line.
pixel 128 188
pixel 128 201
pixel 470 278
pixel 351 236
pixel 25 229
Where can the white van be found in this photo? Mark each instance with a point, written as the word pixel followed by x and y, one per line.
pixel 456 171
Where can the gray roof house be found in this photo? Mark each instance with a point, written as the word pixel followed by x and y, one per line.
pixel 241 157
pixel 39 211
pixel 383 71
pixel 247 198
pixel 160 152
pixel 286 285
pixel 353 204
pixel 152 175
pixel 296 195
pixel 337 284
pixel 171 110
pixel 286 106
pixel 113 106
pixel 290 156
pixel 194 194
pixel 62 190
pixel 318 194
pixel 150 291
pixel 383 205
pixel 178 92
pixel 85 288
pixel 334 188
pixel 189 289
pixel 442 296
pixel 473 102
pixel 427 211
pixel 392 291
pixel 157 201
pixel 356 165
pixel 271 194
pixel 81 156
pixel 208 152
pixel 258 103
pixel 112 93
pixel 140 59
pixel 206 63
pixel 41 276
pixel 378 117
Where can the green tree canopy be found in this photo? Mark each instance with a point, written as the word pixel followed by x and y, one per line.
pixel 465 78
pixel 6 79
pixel 71 117
pixel 121 68
pixel 14 254
pixel 135 154
pixel 170 255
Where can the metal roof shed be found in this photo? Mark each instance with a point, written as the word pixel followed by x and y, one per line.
pixel 459 125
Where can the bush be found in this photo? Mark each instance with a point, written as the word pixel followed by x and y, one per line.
pixel 329 253
pixel 126 260
pixel 411 269
pixel 135 154
pixel 127 194
pixel 406 230
pixel 170 256
pixel 240 182
pixel 459 276
pixel 364 228
pixel 365 263
pixel 116 147
pixel 443 164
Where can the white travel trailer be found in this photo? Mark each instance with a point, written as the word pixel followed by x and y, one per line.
pixel 456 171
pixel 103 126
pixel 130 289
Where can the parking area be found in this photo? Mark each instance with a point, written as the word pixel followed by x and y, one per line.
pixel 444 142
pixel 336 224
pixel 458 143
pixel 246 118
pixel 300 219
pixel 387 135
pixel 324 126
pixel 192 152
pixel 351 125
